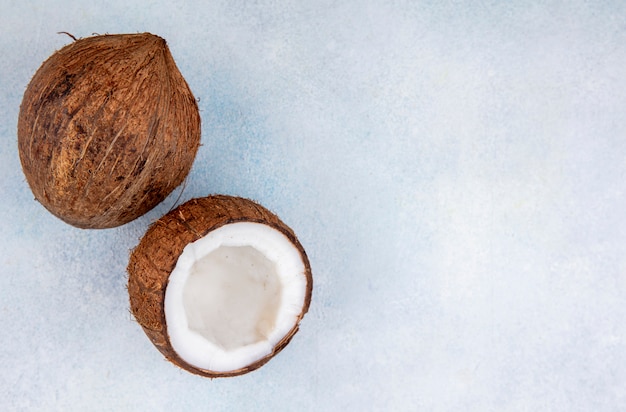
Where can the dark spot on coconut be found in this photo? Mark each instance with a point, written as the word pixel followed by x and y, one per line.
pixel 139 167
pixel 63 88
pixel 80 129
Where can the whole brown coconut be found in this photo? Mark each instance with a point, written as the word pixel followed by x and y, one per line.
pixel 107 128
pixel 206 268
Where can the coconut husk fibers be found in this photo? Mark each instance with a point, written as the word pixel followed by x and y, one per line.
pixel 152 261
pixel 107 128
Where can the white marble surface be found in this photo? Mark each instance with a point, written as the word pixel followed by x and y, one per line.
pixel 455 170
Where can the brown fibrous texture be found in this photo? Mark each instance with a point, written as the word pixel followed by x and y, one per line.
pixel 152 261
pixel 108 127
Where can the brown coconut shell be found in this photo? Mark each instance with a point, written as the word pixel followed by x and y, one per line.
pixel 107 128
pixel 152 261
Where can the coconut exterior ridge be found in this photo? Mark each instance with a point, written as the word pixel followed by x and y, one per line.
pixel 108 128
pixel 152 261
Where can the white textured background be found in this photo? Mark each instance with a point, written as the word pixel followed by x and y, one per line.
pixel 455 170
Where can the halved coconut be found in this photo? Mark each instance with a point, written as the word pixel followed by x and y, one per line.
pixel 219 285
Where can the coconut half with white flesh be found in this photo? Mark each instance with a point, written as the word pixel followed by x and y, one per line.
pixel 220 285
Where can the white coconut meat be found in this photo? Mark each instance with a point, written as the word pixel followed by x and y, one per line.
pixel 233 295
